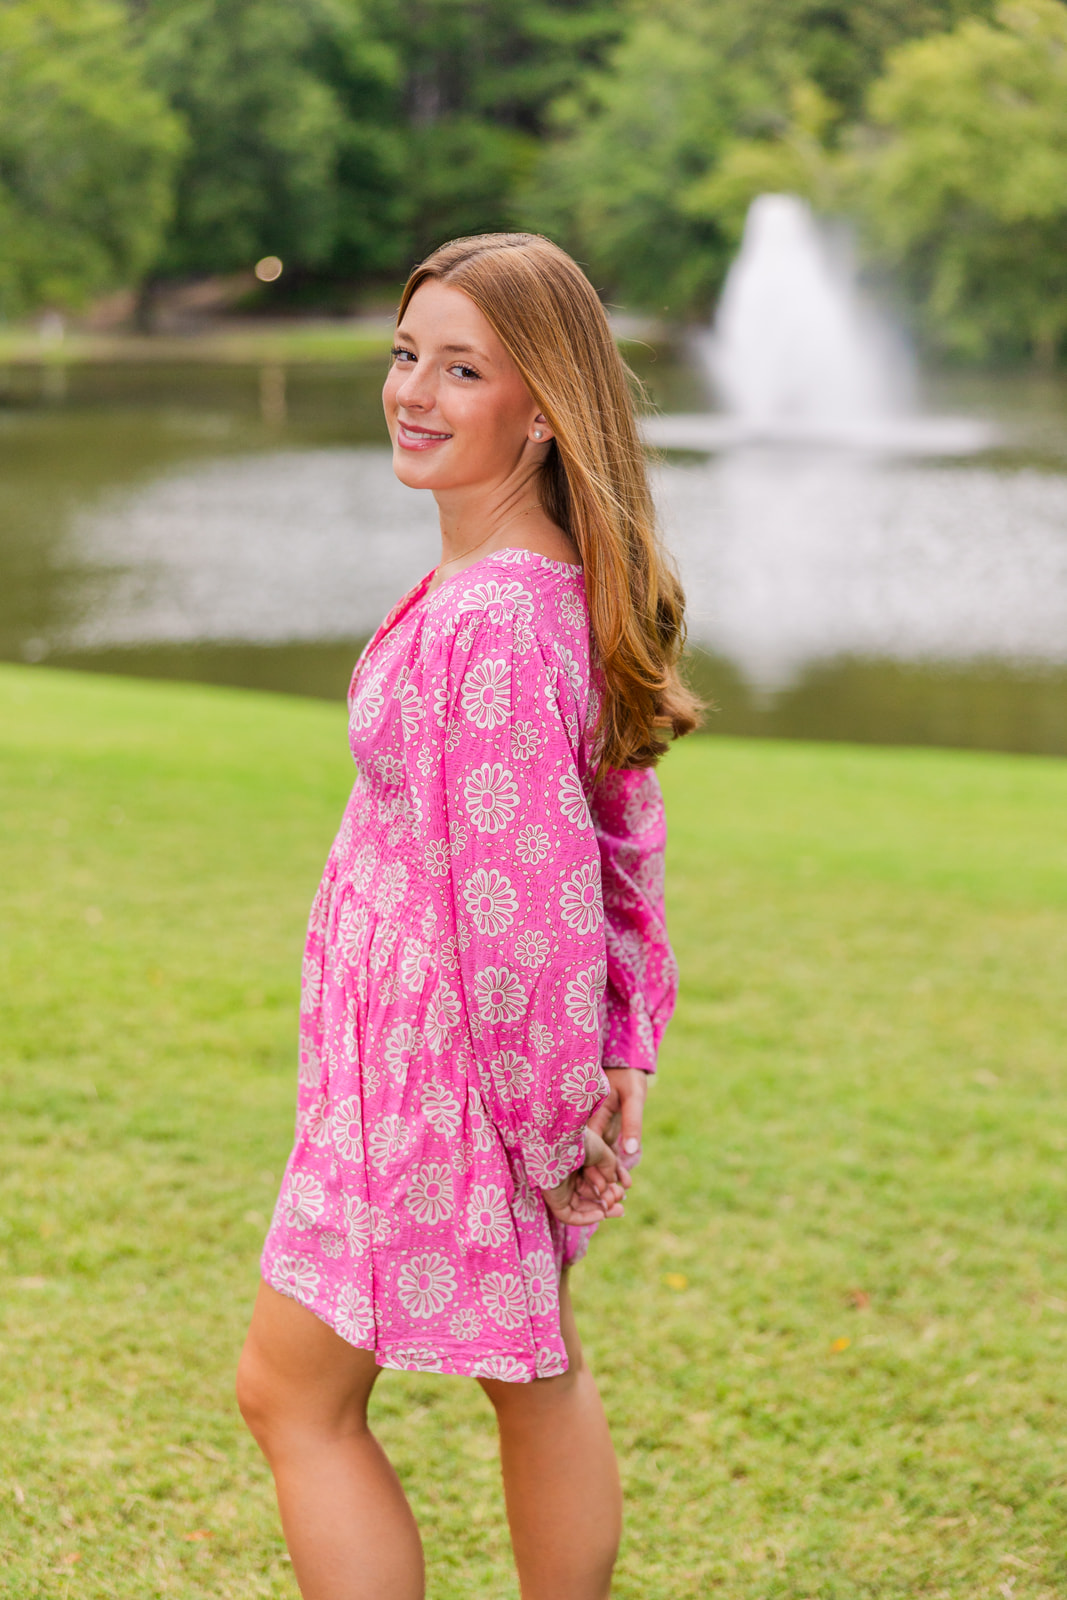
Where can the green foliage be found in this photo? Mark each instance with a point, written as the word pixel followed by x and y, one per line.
pixel 349 139
pixel 967 195
pixel 703 104
pixel 290 152
pixel 831 1330
pixel 86 154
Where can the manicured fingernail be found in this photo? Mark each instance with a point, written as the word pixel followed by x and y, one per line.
pixel 632 1146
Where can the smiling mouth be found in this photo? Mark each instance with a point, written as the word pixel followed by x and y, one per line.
pixel 410 437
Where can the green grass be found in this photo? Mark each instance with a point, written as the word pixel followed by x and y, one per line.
pixel 831 1332
pixel 295 341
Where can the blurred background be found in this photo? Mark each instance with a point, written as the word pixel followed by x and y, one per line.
pixel 832 237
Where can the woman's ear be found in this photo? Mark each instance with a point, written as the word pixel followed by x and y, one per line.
pixel 540 432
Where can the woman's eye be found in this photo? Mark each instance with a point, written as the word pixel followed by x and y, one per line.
pixel 465 372
pixel 401 355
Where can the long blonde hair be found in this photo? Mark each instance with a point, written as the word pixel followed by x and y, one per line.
pixel 594 483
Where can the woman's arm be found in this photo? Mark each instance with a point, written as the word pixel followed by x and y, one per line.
pixel 506 818
pixel 642 978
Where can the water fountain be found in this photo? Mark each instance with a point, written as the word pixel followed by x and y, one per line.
pixel 797 357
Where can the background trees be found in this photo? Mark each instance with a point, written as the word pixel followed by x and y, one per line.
pixel 967 192
pixel 168 138
pixel 87 154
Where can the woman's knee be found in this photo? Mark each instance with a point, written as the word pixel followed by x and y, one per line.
pixel 256 1395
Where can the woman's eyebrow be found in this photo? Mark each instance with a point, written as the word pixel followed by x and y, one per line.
pixel 465 350
pixel 449 349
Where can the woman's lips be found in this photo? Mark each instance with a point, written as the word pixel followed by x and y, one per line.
pixel 410 437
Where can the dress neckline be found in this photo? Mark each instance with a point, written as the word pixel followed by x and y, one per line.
pixel 421 591
pixel 506 549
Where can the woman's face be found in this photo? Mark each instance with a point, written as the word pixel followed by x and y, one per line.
pixel 459 414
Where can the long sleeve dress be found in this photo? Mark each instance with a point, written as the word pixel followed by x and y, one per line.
pixel 488 934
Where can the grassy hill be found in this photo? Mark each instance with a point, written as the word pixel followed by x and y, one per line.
pixel 831 1332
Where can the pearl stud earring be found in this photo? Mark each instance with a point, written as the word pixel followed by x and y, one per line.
pixel 537 433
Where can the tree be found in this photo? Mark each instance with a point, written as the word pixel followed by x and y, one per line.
pixel 86 154
pixel 479 77
pixel 349 138
pixel 291 150
pixel 702 104
pixel 966 192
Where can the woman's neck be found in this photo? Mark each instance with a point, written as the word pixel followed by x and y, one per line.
pixel 476 523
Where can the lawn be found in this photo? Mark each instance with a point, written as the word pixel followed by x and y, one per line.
pixel 831 1332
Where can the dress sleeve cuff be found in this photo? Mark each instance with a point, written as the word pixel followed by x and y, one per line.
pixel 630 1039
pixel 549 1164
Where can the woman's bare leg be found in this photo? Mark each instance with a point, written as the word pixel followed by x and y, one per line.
pixel 561 1481
pixel 303 1392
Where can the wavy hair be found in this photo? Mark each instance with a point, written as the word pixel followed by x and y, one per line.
pixel 594 482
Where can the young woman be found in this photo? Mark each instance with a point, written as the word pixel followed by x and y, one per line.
pixel 487 974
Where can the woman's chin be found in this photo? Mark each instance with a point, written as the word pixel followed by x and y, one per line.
pixel 417 469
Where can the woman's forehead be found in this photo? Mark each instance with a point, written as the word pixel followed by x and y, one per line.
pixel 444 314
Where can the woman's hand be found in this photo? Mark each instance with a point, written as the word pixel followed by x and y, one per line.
pixel 618 1119
pixel 595 1191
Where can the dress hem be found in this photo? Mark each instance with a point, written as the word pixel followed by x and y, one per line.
pixel 409 1357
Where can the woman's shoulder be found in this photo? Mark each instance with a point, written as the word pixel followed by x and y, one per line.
pixel 518 592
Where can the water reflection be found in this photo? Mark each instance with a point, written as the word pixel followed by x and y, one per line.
pixel 243 525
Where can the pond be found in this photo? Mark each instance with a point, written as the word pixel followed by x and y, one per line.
pixel 241 524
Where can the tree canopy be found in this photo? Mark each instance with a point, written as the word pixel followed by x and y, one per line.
pixel 87 154
pixel 966 194
pixel 157 139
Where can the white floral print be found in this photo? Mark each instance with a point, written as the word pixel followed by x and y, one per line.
pixel 442 1015
pixel 499 994
pixel 414 1358
pixel 355 1314
pixel 542 1039
pixel 499 600
pixel 387 1140
pixel 459 903
pixel 441 1109
pixel 438 857
pixel 491 901
pixel 504 1299
pixel 525 1205
pixel 583 997
pixel 465 1323
pixel 401 1049
pixel 512 1075
pixel 429 1198
pixel 539 1271
pixel 582 1087
pixel 507 1369
pixel 486 698
pixel 311 983
pixel 367 702
pixel 411 709
pixel 316 1122
pixel 488 1216
pixel 533 845
pixel 346 1125
pixel 550 1363
pixel 416 964
pixel 526 741
pixel 296 1276
pixel 392 886
pixel 531 948
pixel 305 1201
pixel 426 1284
pixel 490 797
pixel 572 801
pixel 581 902
pixel 358 1224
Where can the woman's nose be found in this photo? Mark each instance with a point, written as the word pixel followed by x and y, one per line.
pixel 415 389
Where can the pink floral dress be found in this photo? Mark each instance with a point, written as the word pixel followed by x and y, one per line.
pixel 488 932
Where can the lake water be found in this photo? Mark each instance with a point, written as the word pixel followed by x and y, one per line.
pixel 242 525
